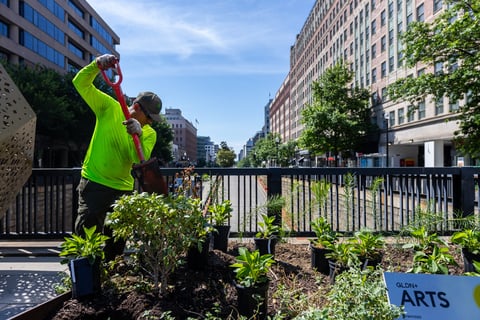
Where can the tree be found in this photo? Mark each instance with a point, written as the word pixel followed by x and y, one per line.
pixel 225 156
pixel 338 117
pixel 163 147
pixel 451 42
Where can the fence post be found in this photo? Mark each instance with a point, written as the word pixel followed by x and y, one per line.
pixel 463 201
pixel 274 188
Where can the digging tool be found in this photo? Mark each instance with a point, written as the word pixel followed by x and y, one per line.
pixel 146 172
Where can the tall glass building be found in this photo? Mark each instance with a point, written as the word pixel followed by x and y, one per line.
pixel 60 34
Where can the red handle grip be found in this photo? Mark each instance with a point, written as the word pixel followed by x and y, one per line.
pixel 120 97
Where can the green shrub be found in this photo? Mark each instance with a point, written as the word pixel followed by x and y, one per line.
pixel 160 229
pixel 356 295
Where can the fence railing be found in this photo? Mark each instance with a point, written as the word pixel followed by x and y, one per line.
pixel 380 199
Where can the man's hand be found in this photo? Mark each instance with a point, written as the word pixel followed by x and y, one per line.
pixel 133 126
pixel 106 61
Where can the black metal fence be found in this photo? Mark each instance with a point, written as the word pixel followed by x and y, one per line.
pixel 380 199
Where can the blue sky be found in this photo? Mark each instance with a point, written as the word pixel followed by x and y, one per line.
pixel 218 61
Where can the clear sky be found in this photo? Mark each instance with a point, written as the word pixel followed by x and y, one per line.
pixel 219 61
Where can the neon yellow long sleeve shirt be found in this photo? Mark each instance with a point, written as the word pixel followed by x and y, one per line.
pixel 111 152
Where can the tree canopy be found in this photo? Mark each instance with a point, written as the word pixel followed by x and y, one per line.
pixel 225 156
pixel 449 44
pixel 339 116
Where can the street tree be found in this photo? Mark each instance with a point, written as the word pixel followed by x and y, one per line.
pixel 225 156
pixel 339 117
pixel 450 46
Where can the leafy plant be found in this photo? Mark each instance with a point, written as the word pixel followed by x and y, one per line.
pixel 368 245
pixel 220 212
pixel 468 239
pixel 251 268
pixel 324 233
pixel 423 239
pixel 90 246
pixel 267 227
pixel 160 229
pixel 320 190
pixel 355 295
pixel 344 254
pixel 434 262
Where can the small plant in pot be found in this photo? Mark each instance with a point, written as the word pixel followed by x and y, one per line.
pixel 268 235
pixel 251 274
pixel 369 246
pixel 341 257
pixel 220 213
pixel 269 230
pixel 324 236
pixel 84 257
pixel 469 241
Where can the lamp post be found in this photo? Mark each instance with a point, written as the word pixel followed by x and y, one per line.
pixel 387 118
pixel 277 141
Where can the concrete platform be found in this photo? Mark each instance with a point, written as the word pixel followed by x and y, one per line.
pixel 28 273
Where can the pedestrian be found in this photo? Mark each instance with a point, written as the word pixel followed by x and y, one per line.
pixel 106 169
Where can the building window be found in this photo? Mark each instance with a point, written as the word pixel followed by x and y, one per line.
pixel 372 5
pixel 410 113
pixel 421 13
pixel 391 118
pixel 383 44
pixel 374 50
pixel 438 106
pixel 437 5
pixel 76 29
pixel 453 106
pixel 384 69
pixel 4 29
pixel 401 115
pixel 75 8
pixel 421 110
pixel 391 64
pixel 374 27
pixel 383 18
pixel 41 48
pixel 384 94
pixel 75 50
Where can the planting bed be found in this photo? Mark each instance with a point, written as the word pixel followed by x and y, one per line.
pixel 194 293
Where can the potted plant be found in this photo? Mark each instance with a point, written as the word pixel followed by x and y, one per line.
pixel 220 213
pixel 469 241
pixel 341 257
pixel 368 246
pixel 267 236
pixel 325 236
pixel 84 256
pixel 269 230
pixel 251 275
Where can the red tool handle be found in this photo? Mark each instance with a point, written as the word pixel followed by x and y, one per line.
pixel 120 97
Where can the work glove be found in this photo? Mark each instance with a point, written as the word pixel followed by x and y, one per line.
pixel 106 61
pixel 133 126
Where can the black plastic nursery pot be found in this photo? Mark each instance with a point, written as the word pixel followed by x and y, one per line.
pixel 468 259
pixel 253 301
pixel 318 259
pixel 85 277
pixel 220 238
pixel 198 259
pixel 265 245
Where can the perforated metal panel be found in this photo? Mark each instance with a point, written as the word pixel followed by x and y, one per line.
pixel 17 138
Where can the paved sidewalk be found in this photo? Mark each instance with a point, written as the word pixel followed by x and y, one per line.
pixel 28 273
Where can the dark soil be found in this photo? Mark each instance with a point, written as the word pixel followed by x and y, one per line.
pixel 195 293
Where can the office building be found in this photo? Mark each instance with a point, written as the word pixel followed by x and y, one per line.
pixel 365 34
pixel 184 136
pixel 63 35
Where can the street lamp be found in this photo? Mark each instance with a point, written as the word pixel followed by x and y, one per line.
pixel 387 118
pixel 277 141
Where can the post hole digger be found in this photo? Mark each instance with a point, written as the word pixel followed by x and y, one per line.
pixel 147 172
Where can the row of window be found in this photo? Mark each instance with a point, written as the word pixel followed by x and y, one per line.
pixel 41 48
pixel 42 23
pixel 409 115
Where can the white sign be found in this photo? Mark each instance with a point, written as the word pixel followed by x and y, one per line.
pixel 434 297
